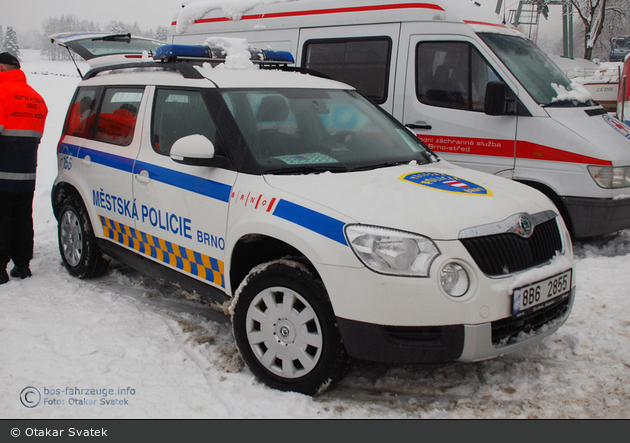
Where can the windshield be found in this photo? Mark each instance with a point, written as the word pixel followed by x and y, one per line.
pixel 621 42
pixel 531 67
pixel 310 130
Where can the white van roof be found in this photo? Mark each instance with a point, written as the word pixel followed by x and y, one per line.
pixel 218 15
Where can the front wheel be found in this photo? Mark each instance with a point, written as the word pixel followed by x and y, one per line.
pixel 286 331
pixel 77 244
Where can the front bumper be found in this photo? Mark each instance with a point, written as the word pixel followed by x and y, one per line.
pixel 591 217
pixel 440 344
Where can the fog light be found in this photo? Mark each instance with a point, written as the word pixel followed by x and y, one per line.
pixel 454 279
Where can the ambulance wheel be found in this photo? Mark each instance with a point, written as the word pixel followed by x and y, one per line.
pixel 77 244
pixel 286 332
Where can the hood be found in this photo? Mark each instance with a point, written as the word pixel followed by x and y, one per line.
pixel 437 200
pixel 609 137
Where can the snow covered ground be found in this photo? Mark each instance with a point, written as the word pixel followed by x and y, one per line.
pixel 156 354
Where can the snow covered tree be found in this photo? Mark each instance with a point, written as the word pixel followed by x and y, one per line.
pixel 10 43
pixel 595 15
pixel 161 33
pixel 65 23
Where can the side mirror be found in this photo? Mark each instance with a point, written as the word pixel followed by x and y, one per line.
pixel 496 99
pixel 195 150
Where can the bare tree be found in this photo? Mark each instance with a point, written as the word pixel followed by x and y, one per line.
pixel 598 16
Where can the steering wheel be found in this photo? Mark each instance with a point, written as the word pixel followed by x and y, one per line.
pixel 343 137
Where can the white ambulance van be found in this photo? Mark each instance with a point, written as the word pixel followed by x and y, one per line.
pixel 475 90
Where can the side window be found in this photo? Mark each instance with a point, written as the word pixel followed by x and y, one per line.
pixel 80 122
pixel 360 62
pixel 117 116
pixel 452 75
pixel 179 113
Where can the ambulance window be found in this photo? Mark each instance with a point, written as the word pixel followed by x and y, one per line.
pixel 360 62
pixel 178 113
pixel 452 75
pixel 80 122
pixel 117 117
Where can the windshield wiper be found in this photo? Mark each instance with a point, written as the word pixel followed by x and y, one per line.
pixel 114 37
pixel 569 104
pixel 307 169
pixel 388 164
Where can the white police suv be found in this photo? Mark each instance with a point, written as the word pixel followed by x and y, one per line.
pixel 325 226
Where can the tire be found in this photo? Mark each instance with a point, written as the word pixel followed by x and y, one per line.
pixel 286 331
pixel 77 243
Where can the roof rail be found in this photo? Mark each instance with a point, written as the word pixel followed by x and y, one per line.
pixel 182 58
pixel 185 69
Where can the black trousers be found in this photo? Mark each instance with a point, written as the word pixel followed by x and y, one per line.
pixel 16 228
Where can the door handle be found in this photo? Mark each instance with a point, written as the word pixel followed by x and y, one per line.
pixel 87 161
pixel 419 125
pixel 143 177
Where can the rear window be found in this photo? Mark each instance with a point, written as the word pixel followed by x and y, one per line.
pixel 112 121
pixel 360 62
pixel 116 120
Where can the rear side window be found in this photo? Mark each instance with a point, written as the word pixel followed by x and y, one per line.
pixel 360 62
pixel 178 113
pixel 81 116
pixel 116 120
pixel 452 75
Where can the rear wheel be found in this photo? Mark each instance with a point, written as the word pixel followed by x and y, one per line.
pixel 77 243
pixel 286 331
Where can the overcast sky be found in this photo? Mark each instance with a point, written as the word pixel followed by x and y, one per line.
pixel 24 15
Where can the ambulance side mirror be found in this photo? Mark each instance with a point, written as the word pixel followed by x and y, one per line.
pixel 195 150
pixel 496 99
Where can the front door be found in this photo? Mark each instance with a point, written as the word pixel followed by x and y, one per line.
pixel 182 209
pixel 444 104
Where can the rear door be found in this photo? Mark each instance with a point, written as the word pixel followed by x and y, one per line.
pixel 444 92
pixel 101 142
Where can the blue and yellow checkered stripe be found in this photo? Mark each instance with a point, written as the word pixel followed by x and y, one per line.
pixel 187 260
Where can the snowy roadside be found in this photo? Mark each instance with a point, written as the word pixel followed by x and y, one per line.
pixel 127 332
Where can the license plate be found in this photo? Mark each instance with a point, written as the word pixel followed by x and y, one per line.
pixel 541 294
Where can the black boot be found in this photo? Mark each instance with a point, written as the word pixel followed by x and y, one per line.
pixel 21 272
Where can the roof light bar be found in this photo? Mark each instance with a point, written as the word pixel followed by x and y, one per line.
pixel 202 52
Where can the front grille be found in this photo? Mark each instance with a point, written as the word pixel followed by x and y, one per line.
pixel 508 330
pixel 501 254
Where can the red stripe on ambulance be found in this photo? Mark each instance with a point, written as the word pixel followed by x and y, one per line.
pixel 505 148
pixel 324 11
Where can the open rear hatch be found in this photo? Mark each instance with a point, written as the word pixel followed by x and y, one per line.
pixel 100 49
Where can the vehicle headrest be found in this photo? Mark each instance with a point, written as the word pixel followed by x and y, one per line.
pixel 273 108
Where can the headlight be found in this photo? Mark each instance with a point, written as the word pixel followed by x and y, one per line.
pixel 393 252
pixel 609 177
pixel 454 280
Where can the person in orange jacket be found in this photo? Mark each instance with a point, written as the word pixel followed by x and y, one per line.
pixel 22 117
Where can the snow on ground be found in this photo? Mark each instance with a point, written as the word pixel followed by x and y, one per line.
pixel 143 343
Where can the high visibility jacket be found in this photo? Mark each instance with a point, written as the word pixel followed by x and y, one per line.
pixel 22 117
